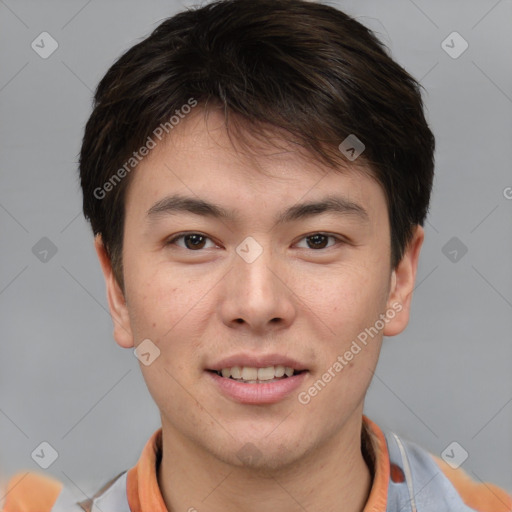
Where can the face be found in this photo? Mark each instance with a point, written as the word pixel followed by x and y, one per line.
pixel 255 281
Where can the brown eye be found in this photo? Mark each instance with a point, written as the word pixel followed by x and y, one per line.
pixel 192 241
pixel 319 241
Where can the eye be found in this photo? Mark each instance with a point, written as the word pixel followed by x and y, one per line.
pixel 319 241
pixel 192 241
pixel 197 241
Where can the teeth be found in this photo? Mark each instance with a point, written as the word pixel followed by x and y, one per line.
pixel 266 373
pixel 279 371
pixel 251 374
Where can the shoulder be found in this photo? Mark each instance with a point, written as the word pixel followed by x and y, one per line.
pixel 31 491
pixel 441 487
pixel 481 496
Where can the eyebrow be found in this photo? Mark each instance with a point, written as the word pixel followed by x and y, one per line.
pixel 176 204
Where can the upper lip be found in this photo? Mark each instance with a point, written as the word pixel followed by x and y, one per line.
pixel 257 361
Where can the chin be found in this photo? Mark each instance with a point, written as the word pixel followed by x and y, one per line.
pixel 262 454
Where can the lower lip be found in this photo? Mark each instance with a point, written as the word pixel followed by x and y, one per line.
pixel 268 393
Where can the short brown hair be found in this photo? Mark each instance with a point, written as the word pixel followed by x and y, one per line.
pixel 298 67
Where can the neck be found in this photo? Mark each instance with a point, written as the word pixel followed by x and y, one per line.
pixel 332 477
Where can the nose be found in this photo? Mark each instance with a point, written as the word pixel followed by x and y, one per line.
pixel 257 296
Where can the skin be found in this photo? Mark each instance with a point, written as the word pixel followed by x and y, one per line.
pixel 199 305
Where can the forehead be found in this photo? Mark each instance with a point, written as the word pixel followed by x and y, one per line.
pixel 200 158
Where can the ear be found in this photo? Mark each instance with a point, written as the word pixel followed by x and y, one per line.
pixel 403 278
pixel 116 301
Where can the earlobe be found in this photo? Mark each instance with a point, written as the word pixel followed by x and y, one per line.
pixel 403 279
pixel 116 300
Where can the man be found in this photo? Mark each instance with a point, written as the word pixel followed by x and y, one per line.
pixel 257 174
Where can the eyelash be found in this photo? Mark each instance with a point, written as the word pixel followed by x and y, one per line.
pixel 182 235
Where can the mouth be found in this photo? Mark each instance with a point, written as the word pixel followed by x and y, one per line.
pixel 257 375
pixel 257 385
pixel 257 378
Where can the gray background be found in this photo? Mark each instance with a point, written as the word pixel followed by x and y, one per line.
pixel 62 377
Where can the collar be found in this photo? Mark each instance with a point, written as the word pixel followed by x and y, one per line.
pixel 144 494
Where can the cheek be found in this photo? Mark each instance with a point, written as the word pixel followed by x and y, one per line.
pixel 168 310
pixel 163 311
pixel 157 299
pixel 351 297
pixel 349 306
